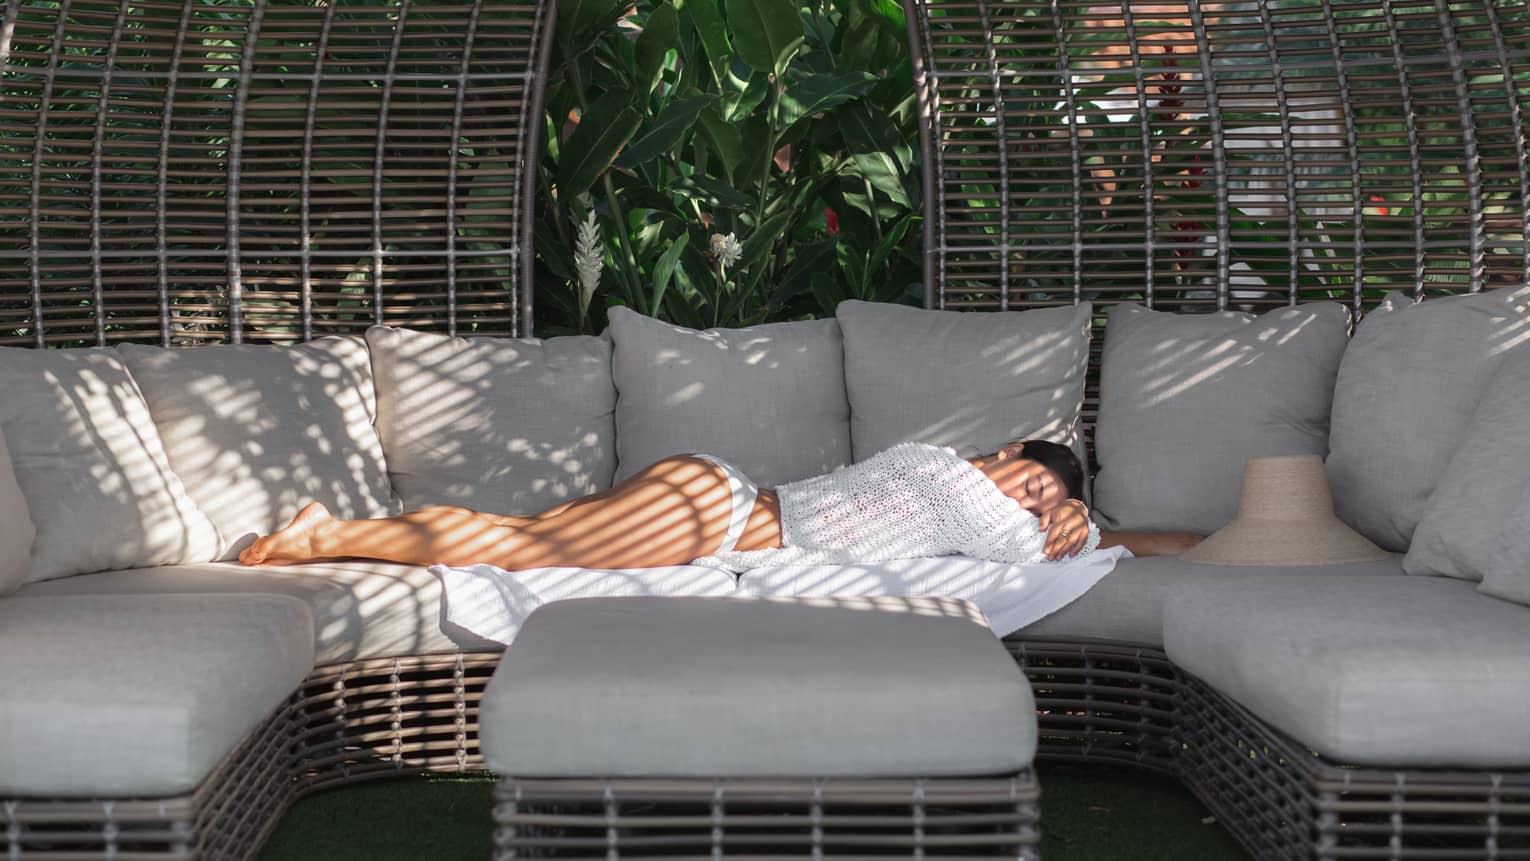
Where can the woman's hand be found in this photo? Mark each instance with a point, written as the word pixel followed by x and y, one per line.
pixel 1067 528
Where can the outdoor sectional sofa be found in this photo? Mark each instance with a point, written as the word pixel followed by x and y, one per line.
pixel 174 707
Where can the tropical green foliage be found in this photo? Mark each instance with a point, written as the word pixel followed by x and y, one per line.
pixel 746 161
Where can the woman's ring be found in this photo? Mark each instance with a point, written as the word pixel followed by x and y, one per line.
pixel 1065 532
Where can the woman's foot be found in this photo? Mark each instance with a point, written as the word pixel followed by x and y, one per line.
pixel 295 543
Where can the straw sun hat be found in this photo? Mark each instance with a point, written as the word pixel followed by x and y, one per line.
pixel 1285 517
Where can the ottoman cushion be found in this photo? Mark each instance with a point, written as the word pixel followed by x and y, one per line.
pixel 139 695
pixel 1386 671
pixel 730 687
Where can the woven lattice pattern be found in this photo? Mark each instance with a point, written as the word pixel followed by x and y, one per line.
pixel 1102 702
pixel 1282 801
pixel 227 818
pixel 1239 153
pixel 935 818
pixel 186 172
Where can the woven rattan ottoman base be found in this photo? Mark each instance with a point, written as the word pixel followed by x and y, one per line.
pixel 719 727
pixel 938 818
pixel 1283 801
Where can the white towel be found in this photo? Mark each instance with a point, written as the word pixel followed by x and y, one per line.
pixel 490 604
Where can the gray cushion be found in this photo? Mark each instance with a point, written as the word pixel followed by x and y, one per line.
pixel 92 468
pixel 1508 568
pixel 16 529
pixel 1128 604
pixel 728 687
pixel 1187 399
pixel 1464 517
pixel 257 432
pixel 505 425
pixel 769 399
pixel 360 610
pixel 1407 386
pixel 139 695
pixel 969 381
pixel 1387 671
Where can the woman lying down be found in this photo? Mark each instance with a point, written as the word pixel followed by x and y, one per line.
pixel 1019 505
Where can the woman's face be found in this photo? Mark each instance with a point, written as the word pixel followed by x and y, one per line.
pixel 1035 487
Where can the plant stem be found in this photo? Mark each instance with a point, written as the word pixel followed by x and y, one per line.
pixel 771 113
pixel 871 201
pixel 627 260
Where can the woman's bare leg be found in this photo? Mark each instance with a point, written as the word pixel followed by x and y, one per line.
pixel 668 514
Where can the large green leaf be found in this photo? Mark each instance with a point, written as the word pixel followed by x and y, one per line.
pixel 816 256
pixel 666 129
pixel 578 17
pixel 766 33
pixel 712 192
pixel 725 140
pixel 707 19
pixel 747 94
pixel 759 242
pixel 870 148
pixel 890 11
pixel 813 94
pixel 594 145
pixel 660 33
pixel 665 268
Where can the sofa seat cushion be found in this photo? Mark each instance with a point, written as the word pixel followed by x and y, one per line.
pixel 136 695
pixel 360 610
pixel 736 687
pixel 1382 671
pixel 1128 605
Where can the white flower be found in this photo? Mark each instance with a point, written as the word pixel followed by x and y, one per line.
pixel 725 249
pixel 588 259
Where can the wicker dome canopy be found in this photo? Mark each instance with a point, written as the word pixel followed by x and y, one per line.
pixel 270 170
pixel 265 170
pixel 1237 153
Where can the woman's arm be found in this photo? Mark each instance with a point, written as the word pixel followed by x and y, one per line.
pixel 1067 528
pixel 1151 543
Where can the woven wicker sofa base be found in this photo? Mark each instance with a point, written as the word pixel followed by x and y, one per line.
pixel 1282 801
pixel 1096 702
pixel 928 818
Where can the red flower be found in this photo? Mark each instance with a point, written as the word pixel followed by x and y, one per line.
pixel 831 221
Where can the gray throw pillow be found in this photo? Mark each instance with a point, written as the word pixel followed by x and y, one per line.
pixel 91 465
pixel 503 425
pixel 1407 387
pixel 16 529
pixel 1187 399
pixel 257 431
pixel 1508 568
pixel 971 381
pixel 1459 532
pixel 769 399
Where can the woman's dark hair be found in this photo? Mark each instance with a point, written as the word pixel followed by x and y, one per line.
pixel 1060 460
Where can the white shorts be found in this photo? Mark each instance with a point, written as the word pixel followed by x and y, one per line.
pixel 744 493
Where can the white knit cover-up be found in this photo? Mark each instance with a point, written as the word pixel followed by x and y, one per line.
pixel 909 501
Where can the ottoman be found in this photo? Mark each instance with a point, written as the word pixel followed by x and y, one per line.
pixel 734 726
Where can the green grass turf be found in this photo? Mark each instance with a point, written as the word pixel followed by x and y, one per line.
pixel 1087 812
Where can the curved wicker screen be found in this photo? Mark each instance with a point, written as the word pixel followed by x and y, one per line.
pixel 1240 153
pixel 265 170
